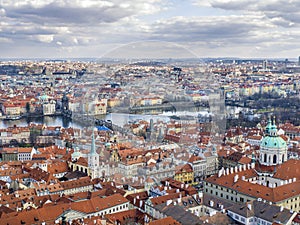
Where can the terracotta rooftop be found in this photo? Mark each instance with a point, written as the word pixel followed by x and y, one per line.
pixel 163 199
pixel 51 213
pixel 125 217
pixel 165 221
pixel 288 170
pixel 81 182
pixel 276 194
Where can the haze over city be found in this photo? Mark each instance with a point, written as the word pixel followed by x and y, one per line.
pixel 158 112
pixel 92 28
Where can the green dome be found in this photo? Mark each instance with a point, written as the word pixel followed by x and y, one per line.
pixel 76 154
pixel 274 142
pixel 44 97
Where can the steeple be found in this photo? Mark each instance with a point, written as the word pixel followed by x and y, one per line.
pixel 93 159
pixel 93 151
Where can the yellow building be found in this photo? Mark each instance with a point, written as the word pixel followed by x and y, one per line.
pixel 11 109
pixel 101 107
pixel 150 101
pixel 185 174
pixel 113 102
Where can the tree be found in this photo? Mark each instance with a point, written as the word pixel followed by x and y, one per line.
pixel 27 107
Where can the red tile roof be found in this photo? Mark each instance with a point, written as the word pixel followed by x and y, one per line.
pixel 165 221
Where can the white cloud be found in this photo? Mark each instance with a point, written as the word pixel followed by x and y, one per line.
pixel 44 38
pixel 286 10
pixel 91 26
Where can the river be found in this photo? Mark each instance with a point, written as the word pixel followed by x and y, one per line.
pixel 116 118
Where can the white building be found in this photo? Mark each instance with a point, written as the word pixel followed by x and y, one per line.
pixel 258 212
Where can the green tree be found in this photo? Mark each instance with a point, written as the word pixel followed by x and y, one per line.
pixel 27 107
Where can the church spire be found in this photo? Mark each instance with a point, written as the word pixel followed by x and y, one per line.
pixel 93 151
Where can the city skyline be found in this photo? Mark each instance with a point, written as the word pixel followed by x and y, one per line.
pixel 93 28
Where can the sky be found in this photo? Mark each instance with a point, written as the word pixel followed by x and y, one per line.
pixel 154 28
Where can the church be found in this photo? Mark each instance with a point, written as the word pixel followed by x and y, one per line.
pixel 91 165
pixel 273 178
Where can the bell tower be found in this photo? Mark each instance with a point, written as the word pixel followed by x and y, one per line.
pixel 93 158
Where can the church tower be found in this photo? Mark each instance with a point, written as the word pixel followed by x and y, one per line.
pixel 273 149
pixel 65 103
pixel 93 159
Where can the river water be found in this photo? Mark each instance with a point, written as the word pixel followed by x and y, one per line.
pixel 116 118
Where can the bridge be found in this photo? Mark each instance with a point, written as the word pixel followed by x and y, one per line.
pixel 91 120
pixel 171 106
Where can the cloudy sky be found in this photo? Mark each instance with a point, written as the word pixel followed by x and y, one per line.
pixel 96 28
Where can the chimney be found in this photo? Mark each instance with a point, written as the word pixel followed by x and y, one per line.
pixel 236 177
pixel 220 173
pixel 249 206
pixel 240 168
pixel 227 171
